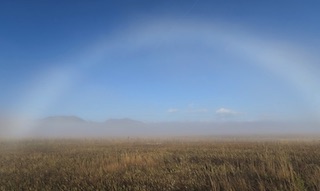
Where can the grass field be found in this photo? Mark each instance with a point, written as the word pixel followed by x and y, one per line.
pixel 160 165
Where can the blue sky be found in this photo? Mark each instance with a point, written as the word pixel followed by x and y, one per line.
pixel 161 60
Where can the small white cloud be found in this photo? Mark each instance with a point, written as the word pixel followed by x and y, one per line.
pixel 173 110
pixel 226 112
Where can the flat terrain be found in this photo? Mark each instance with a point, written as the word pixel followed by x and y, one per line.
pixel 160 165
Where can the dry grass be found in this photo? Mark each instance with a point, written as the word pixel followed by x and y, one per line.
pixel 165 165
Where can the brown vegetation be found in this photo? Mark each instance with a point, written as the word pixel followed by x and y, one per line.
pixel 159 165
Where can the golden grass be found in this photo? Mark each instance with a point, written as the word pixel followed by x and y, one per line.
pixel 159 165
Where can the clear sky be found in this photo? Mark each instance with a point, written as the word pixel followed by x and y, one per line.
pixel 174 60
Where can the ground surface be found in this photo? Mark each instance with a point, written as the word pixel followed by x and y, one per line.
pixel 159 165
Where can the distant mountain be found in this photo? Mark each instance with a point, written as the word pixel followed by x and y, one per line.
pixel 63 119
pixel 62 126
pixel 124 122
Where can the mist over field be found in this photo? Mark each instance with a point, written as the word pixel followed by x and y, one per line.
pixel 75 127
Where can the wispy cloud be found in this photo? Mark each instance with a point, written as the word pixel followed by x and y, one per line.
pixel 224 112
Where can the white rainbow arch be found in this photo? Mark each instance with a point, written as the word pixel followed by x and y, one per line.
pixel 282 58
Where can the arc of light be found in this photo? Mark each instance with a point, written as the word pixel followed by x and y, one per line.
pixel 274 56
